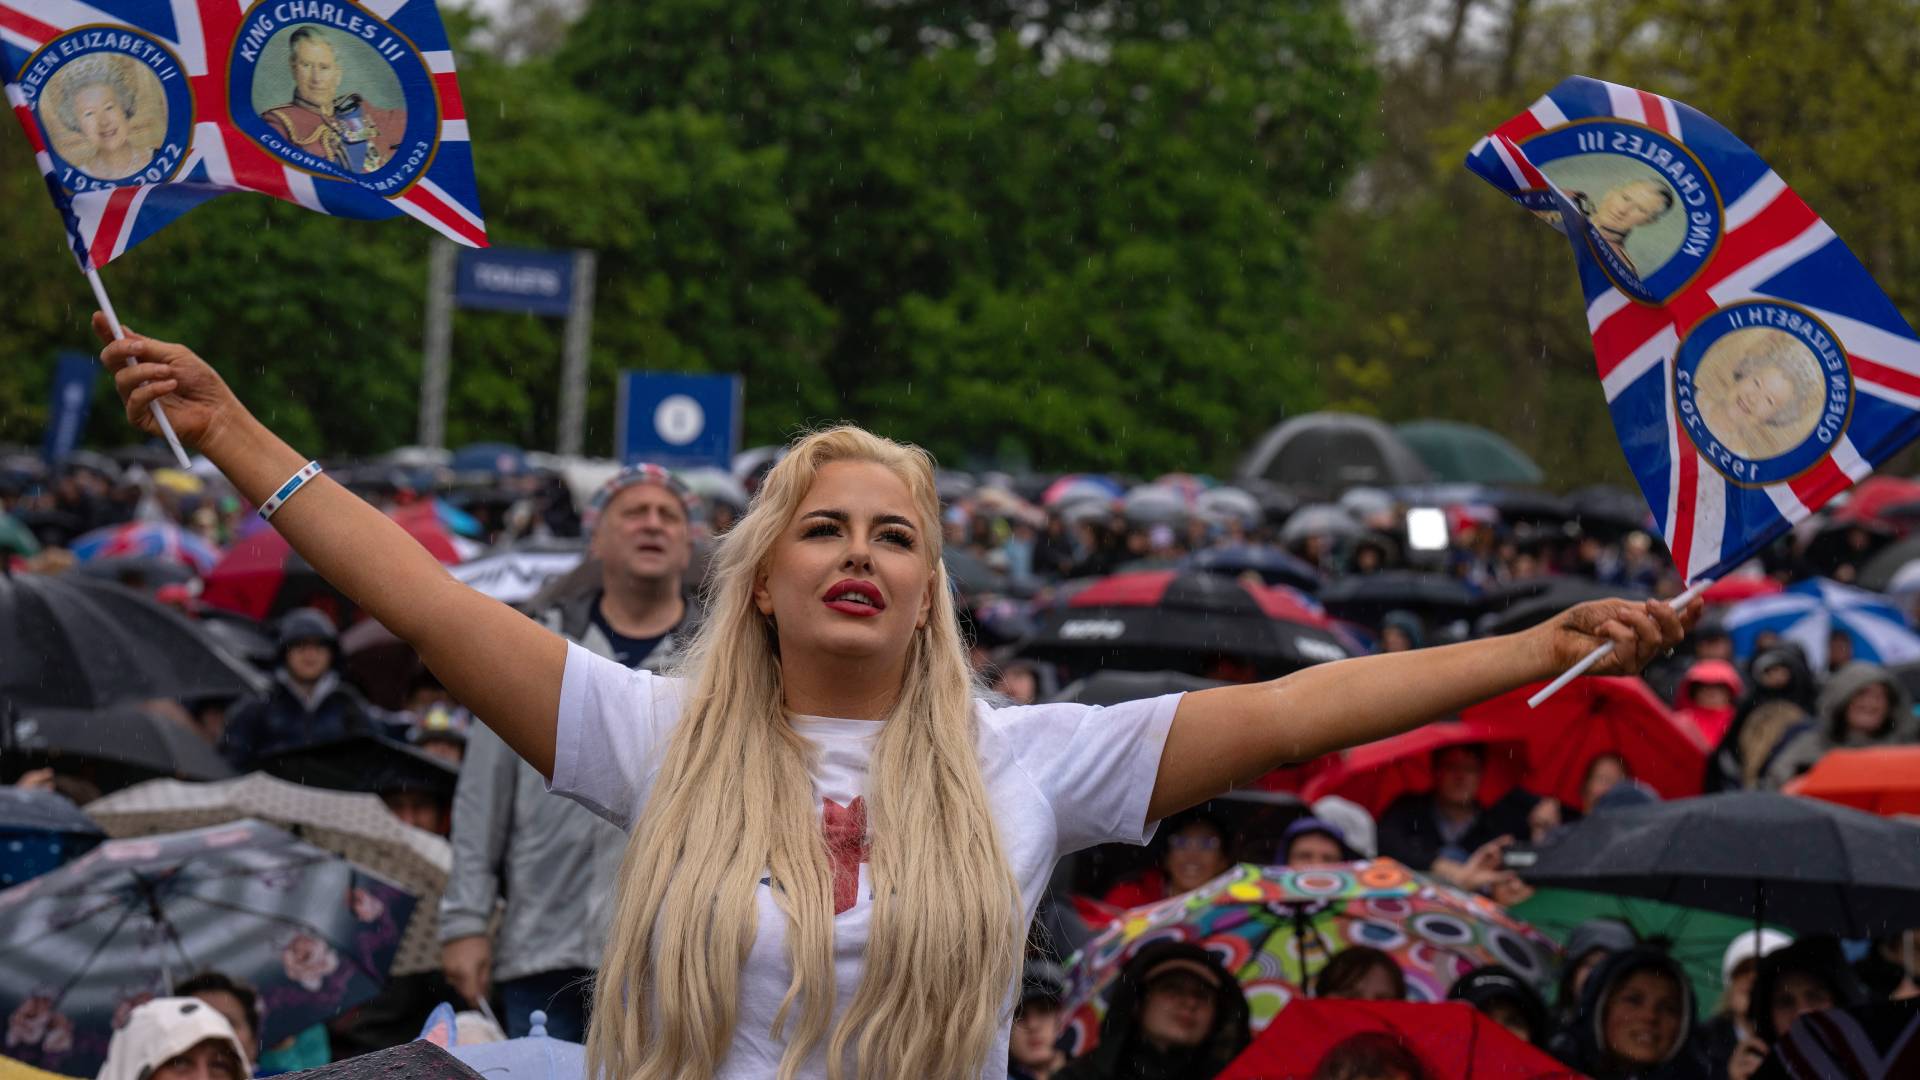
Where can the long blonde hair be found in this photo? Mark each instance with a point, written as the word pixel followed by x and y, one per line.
pixel 733 801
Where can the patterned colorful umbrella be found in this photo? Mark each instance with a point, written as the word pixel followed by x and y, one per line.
pixel 83 945
pixel 146 539
pixel 1276 927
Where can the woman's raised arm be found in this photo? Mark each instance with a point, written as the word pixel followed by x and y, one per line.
pixel 497 662
pixel 1232 734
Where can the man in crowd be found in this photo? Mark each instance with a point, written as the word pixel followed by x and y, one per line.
pixel 309 703
pixel 554 861
pixel 1176 1013
pixel 1447 831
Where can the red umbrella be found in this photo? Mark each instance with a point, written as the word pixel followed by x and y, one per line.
pixel 1881 780
pixel 1875 496
pixel 1376 774
pixel 261 576
pixel 1591 717
pixel 1737 587
pixel 1451 1040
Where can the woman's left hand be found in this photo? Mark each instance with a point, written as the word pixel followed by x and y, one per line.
pixel 1639 631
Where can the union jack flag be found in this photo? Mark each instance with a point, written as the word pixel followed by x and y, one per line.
pixel 180 83
pixel 1752 367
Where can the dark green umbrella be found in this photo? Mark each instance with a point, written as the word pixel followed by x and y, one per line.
pixel 15 538
pixel 1462 453
pixel 1696 938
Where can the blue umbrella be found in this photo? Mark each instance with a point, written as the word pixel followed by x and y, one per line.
pixel 311 931
pixel 1808 614
pixel 39 831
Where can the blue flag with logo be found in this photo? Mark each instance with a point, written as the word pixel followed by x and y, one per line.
pixel 1753 368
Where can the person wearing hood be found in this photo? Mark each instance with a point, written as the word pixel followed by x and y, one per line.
pixel 175 1038
pixel 1706 698
pixel 1862 705
pixel 309 702
pixel 1728 1028
pixel 1635 1021
pixel 1175 1014
pixel 1401 631
pixel 1589 946
pixel 1507 1000
pixel 1778 705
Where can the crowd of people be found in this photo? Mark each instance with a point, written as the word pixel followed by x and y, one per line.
pixel 523 919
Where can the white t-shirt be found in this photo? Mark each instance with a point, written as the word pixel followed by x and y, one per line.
pixel 1059 778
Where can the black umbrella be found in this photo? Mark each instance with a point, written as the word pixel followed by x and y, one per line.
pixel 1366 598
pixel 144 572
pixel 117 746
pixel 369 763
pixel 1814 866
pixel 1274 566
pixel 1114 687
pixel 1331 452
pixel 1609 512
pixel 1181 622
pixel 72 642
pixel 1522 604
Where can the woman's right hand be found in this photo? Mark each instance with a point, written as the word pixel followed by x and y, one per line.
pixel 197 400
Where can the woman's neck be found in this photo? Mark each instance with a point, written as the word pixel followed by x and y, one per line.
pixel 846 688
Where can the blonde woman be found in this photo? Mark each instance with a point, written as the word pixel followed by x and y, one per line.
pixel 836 846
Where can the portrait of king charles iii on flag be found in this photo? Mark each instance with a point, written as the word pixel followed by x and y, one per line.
pixel 333 115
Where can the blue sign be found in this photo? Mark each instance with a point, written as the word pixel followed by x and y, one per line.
pixel 680 421
pixel 515 279
pixel 67 411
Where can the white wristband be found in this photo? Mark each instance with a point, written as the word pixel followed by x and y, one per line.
pixel 294 483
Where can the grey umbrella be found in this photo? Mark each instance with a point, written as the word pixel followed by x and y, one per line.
pixel 1154 504
pixel 1331 522
pixel 73 642
pixel 1330 452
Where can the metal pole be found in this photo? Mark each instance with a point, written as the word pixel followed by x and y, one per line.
pixel 573 369
pixel 439 345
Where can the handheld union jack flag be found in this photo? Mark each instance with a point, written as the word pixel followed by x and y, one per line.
pixel 1753 368
pixel 140 110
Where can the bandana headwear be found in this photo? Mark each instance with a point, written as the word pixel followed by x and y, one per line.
pixel 640 472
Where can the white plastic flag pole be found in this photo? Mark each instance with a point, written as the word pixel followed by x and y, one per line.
pixel 159 415
pixel 1603 651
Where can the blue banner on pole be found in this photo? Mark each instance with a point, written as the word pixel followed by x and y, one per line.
pixel 681 421
pixel 515 279
pixel 67 409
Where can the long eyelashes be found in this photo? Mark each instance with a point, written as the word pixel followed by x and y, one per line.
pixel 891 536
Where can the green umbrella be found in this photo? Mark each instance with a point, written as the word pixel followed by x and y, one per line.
pixel 1696 938
pixel 15 538
pixel 1464 454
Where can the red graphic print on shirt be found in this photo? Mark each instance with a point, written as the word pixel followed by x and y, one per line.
pixel 846 833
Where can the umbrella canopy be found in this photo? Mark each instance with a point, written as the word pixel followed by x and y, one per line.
pixel 1523 604
pixel 1376 774
pixel 1452 1040
pixel 1274 566
pixel 1323 520
pixel 1803 863
pixel 489 459
pixel 1810 612
pixel 1184 622
pixel 144 572
pixel 1737 587
pixel 261 576
pixel 1697 939
pixel 313 934
pixel 372 764
pixel 39 831
pixel 1114 687
pixel 116 746
pixel 1881 780
pixel 1609 512
pixel 1229 503
pixel 1273 928
pixel 16 538
pixel 1330 452
pixel 1156 504
pixel 1879 572
pixel 1877 498
pixel 1366 598
pixel 147 539
pixel 971 575
pixel 1462 453
pixel 1081 488
pixel 1876 1041
pixel 513 576
pixel 716 486
pixel 356 827
pixel 1591 717
pixel 414 1060
pixel 71 642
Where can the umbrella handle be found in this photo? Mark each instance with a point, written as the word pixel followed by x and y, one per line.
pixel 1601 652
